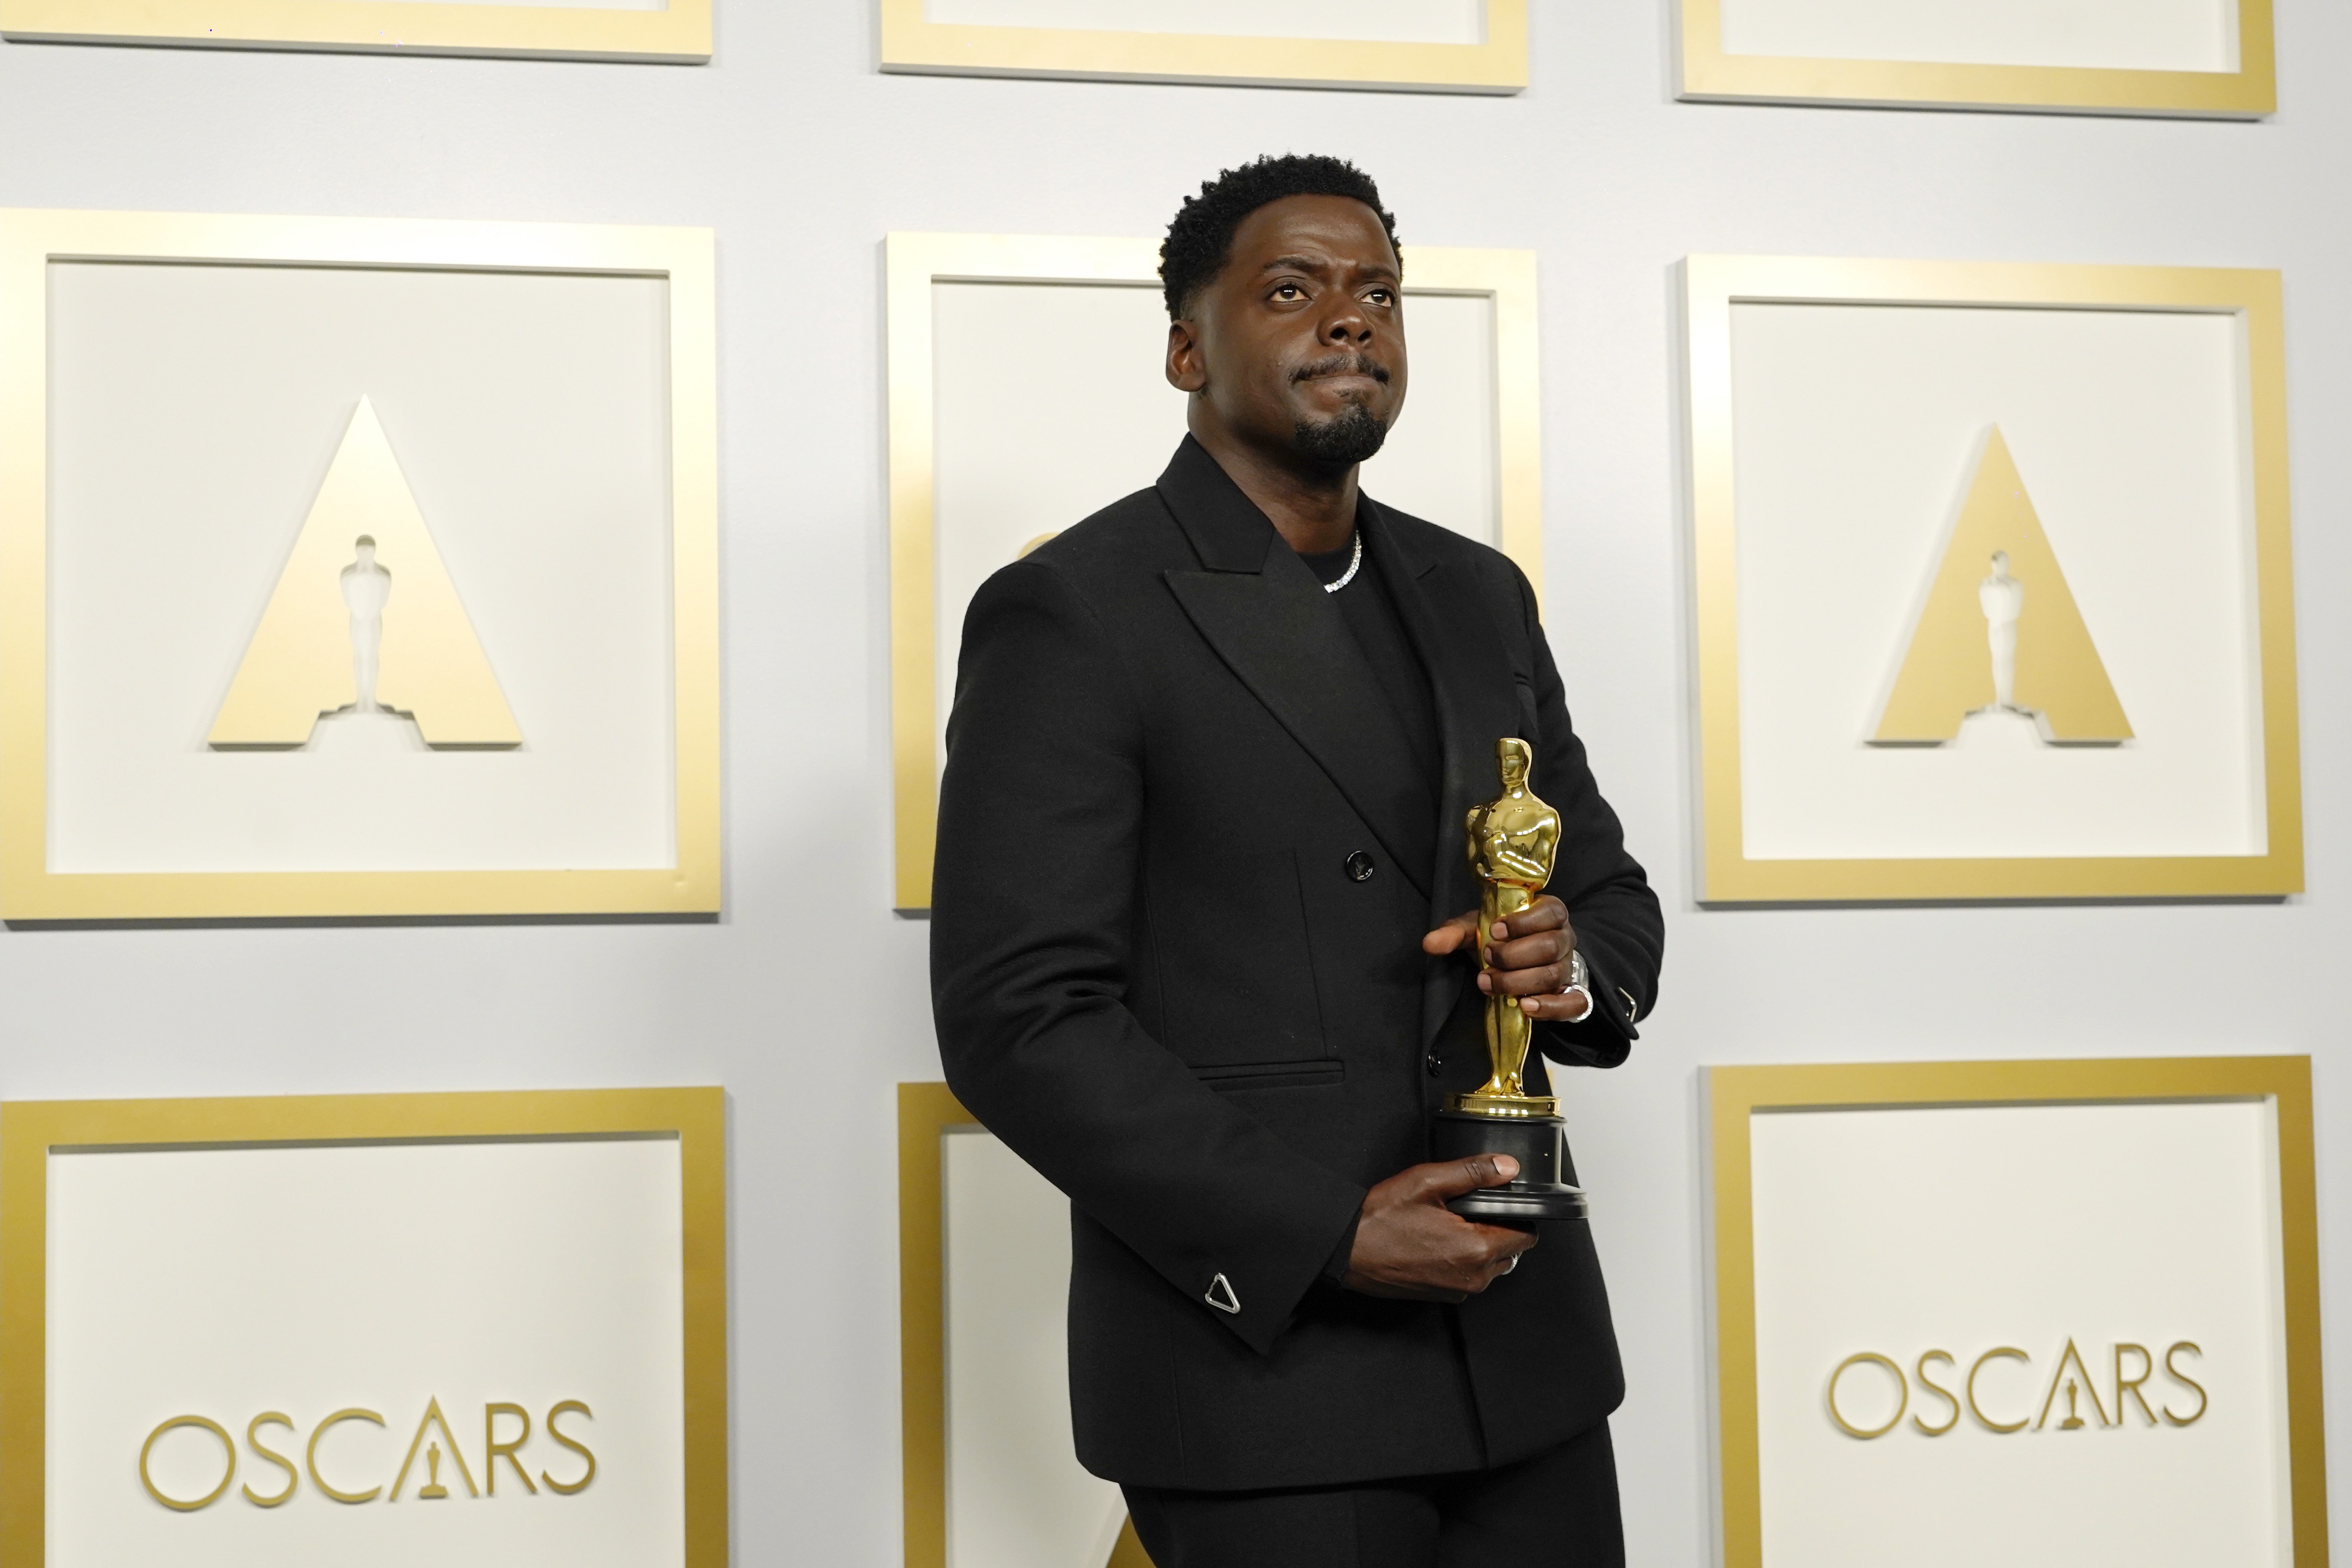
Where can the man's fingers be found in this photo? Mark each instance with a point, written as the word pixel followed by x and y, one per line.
pixel 1546 913
pixel 1531 952
pixel 1434 1184
pixel 1501 1267
pixel 1505 1247
pixel 1510 1243
pixel 1556 1009
pixel 1544 982
pixel 1455 934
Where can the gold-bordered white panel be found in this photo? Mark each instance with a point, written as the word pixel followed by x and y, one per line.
pixel 1496 64
pixel 916 262
pixel 678 32
pixel 928 1114
pixel 2246 92
pixel 1714 286
pixel 681 259
pixel 30 1130
pixel 1738 1095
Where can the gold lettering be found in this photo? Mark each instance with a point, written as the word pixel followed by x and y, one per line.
pixel 432 1414
pixel 1977 1410
pixel 210 1498
pixel 2071 1355
pixel 1848 1428
pixel 1939 1391
pixel 579 1448
pixel 498 1450
pixel 252 1441
pixel 310 1456
pixel 2176 1375
pixel 2131 1385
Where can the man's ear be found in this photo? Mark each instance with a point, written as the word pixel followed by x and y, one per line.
pixel 1186 371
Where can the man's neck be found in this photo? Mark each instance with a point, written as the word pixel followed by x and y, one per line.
pixel 1314 509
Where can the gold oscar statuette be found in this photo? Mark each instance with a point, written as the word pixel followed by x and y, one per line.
pixel 1513 841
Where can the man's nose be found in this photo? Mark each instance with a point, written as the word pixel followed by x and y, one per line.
pixel 1348 325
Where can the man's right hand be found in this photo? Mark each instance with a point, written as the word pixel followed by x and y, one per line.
pixel 1410 1245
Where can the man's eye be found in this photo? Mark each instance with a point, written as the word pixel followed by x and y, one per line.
pixel 1380 297
pixel 1286 291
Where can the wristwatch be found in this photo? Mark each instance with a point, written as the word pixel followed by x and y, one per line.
pixel 1578 978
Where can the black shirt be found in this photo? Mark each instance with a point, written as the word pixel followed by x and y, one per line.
pixel 1369 609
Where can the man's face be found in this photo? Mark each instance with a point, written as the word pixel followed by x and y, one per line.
pixel 1297 346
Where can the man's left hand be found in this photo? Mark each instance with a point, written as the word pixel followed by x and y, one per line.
pixel 1527 955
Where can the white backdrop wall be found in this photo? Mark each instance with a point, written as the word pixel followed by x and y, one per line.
pixel 808 1001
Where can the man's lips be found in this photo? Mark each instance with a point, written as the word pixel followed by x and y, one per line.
pixel 1343 368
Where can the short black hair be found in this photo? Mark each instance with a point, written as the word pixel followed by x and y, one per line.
pixel 1202 236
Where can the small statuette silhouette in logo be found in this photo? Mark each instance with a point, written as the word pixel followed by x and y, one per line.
pixel 364 620
pixel 2072 1420
pixel 366 587
pixel 2003 598
pixel 434 1489
pixel 2045 669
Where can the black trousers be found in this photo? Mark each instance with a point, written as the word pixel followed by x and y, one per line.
pixel 1557 1510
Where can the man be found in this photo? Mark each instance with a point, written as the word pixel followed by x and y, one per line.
pixel 1208 769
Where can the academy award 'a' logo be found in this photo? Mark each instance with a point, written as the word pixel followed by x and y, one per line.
pixel 364 619
pixel 2000 633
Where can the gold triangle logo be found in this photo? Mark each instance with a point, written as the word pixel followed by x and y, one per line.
pixel 2000 630
pixel 365 601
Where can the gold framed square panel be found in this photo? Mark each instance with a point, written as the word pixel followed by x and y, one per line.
pixel 677 32
pixel 1492 62
pixel 2009 1321
pixel 31 1132
pixel 2246 89
pixel 1500 380
pixel 928 1113
pixel 1854 344
pixel 664 381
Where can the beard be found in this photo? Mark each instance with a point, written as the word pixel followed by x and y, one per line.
pixel 1347 438
pixel 1350 435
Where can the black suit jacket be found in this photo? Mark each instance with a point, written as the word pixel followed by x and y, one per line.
pixel 1154 977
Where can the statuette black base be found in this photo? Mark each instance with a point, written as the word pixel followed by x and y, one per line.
pixel 1535 1142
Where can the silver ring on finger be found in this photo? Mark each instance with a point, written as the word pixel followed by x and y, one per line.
pixel 1510 1264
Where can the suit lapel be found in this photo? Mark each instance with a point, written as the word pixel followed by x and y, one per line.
pixel 1266 616
pixel 1470 673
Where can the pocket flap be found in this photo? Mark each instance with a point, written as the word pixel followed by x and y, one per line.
pixel 1272 1075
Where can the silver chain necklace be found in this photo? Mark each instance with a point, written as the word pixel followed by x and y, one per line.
pixel 1354 562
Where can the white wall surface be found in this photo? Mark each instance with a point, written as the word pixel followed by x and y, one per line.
pixel 808 1001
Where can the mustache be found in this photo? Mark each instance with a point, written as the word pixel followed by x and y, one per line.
pixel 1343 365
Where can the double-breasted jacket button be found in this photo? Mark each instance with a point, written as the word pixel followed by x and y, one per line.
pixel 1359 867
pixel 1435 1063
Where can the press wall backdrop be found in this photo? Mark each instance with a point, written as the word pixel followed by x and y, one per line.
pixel 808 999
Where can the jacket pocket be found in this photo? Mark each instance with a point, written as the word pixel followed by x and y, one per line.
pixel 1309 1073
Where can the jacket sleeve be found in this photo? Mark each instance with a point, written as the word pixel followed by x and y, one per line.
pixel 1619 927
pixel 1041 817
